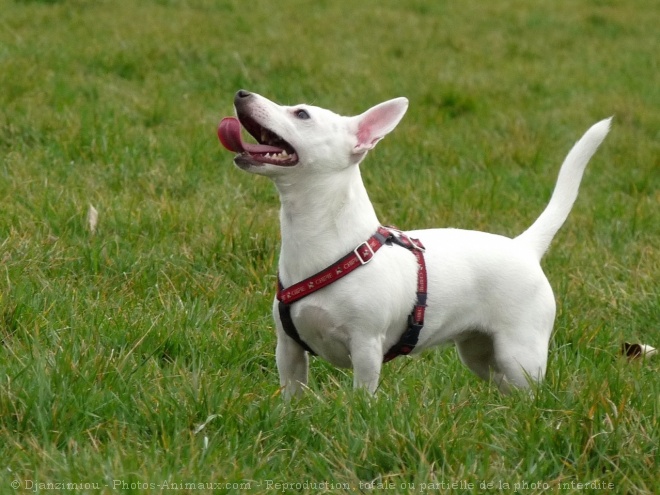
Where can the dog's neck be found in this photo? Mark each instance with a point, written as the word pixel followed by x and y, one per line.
pixel 322 220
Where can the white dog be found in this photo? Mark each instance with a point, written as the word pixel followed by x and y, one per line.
pixel 486 293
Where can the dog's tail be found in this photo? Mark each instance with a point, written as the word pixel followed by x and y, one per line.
pixel 540 234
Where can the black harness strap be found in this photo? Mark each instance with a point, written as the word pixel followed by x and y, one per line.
pixel 290 328
pixel 409 339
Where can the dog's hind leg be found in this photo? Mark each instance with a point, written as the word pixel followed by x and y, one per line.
pixel 522 363
pixel 477 353
pixel 507 364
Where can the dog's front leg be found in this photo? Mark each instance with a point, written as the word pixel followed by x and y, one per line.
pixel 292 363
pixel 367 358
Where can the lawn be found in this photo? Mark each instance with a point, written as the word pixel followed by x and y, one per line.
pixel 138 356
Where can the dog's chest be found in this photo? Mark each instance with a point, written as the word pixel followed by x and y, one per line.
pixel 368 307
pixel 325 331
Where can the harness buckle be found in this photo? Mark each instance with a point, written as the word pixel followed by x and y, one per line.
pixel 364 253
pixel 405 241
pixel 417 244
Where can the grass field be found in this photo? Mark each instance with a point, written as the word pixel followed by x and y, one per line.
pixel 139 358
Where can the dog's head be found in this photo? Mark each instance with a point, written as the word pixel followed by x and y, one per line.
pixel 303 136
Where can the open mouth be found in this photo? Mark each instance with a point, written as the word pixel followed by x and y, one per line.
pixel 271 148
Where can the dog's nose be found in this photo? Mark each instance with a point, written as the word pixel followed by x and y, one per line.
pixel 241 93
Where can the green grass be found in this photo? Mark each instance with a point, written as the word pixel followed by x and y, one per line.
pixel 144 353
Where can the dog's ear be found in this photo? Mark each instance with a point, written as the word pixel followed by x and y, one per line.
pixel 374 124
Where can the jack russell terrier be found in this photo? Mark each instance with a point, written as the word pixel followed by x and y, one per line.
pixel 357 293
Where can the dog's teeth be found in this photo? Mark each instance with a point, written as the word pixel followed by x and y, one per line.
pixel 264 136
pixel 282 155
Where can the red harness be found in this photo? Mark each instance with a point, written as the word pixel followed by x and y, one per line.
pixel 361 255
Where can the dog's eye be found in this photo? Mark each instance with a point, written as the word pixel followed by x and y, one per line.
pixel 302 114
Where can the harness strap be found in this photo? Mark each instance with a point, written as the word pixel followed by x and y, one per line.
pixel 290 328
pixel 361 255
pixel 409 339
pixel 356 258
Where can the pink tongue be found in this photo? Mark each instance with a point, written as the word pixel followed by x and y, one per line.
pixel 229 133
